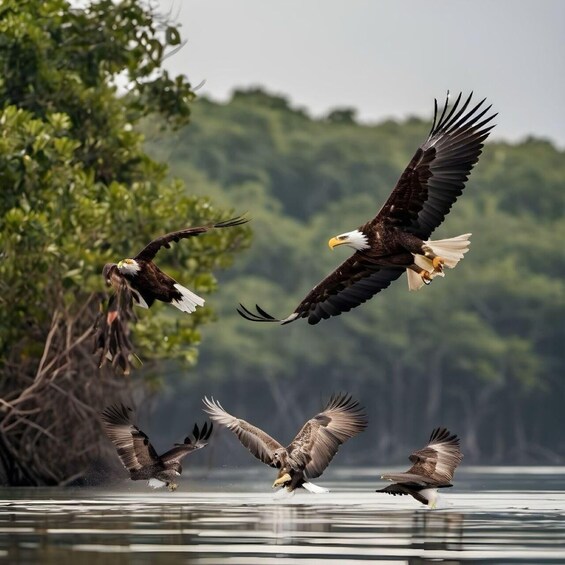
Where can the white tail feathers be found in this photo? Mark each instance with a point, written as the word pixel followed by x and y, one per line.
pixel 450 250
pixel 156 483
pixel 431 495
pixel 311 487
pixel 189 300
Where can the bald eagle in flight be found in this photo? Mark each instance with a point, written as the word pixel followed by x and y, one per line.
pixel 310 451
pixel 397 238
pixel 432 469
pixel 139 456
pixel 148 283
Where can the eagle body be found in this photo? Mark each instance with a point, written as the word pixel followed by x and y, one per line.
pixel 397 239
pixel 157 471
pixel 138 455
pixel 424 494
pixel 433 468
pixel 148 283
pixel 312 449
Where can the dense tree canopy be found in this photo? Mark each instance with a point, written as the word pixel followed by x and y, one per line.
pixel 480 351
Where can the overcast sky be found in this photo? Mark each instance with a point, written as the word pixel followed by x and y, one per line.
pixel 386 58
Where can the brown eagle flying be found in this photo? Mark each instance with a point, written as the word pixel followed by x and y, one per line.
pixel 310 451
pixel 148 283
pixel 432 468
pixel 139 456
pixel 397 238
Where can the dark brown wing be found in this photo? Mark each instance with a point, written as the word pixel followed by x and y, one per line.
pixel 197 441
pixel 319 439
pixel 438 171
pixel 132 444
pixel 435 464
pixel 351 284
pixel 259 443
pixel 149 251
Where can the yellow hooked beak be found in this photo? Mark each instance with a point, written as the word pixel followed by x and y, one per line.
pixel 281 480
pixel 335 241
pixel 120 264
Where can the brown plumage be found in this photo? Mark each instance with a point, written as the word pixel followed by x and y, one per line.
pixel 139 456
pixel 397 238
pixel 148 283
pixel 433 467
pixel 111 329
pixel 310 451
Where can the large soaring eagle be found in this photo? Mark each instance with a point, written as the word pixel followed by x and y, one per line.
pixel 148 283
pixel 397 238
pixel 432 468
pixel 139 456
pixel 310 451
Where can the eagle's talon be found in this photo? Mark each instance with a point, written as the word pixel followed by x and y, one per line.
pixel 172 487
pixel 426 277
pixel 438 263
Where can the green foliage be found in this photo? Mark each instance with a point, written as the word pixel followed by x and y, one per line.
pixel 488 332
pixel 78 189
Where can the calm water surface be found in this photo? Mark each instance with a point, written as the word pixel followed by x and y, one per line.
pixel 510 515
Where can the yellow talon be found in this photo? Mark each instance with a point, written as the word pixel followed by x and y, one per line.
pixel 438 263
pixel 281 480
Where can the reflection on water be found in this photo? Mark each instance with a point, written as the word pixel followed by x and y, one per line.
pixel 207 522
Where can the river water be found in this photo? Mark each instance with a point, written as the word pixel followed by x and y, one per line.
pixel 231 517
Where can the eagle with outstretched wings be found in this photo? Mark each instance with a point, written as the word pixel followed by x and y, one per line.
pixel 310 452
pixel 139 456
pixel 397 239
pixel 149 283
pixel 433 468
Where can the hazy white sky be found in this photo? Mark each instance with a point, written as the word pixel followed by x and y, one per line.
pixel 387 58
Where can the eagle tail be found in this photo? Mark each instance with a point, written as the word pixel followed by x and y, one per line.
pixel 451 250
pixel 188 301
pixel 311 487
pixel 156 483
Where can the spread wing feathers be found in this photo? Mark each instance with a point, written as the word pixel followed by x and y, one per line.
pixel 259 443
pixel 319 439
pixel 150 250
pixel 198 440
pixel 437 173
pixel 435 464
pixel 351 284
pixel 133 446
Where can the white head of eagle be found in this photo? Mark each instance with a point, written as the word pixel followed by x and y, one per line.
pixel 356 239
pixel 128 266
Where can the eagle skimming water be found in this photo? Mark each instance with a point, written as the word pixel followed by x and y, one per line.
pixel 433 468
pixel 139 456
pixel 310 451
